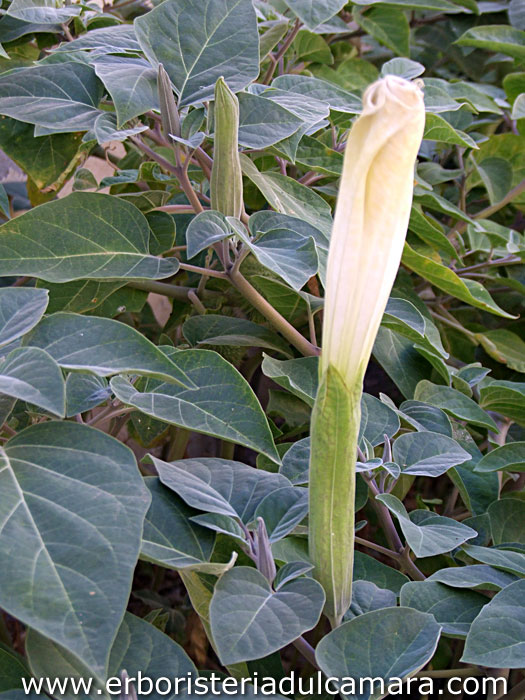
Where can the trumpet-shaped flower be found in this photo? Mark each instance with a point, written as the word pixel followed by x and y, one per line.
pixel 370 225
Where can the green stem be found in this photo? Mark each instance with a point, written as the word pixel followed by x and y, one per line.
pixel 171 290
pixel 179 442
pixel 266 309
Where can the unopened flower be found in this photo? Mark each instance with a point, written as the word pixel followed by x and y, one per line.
pixel 371 219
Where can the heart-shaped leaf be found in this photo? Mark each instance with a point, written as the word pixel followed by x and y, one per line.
pixel 250 621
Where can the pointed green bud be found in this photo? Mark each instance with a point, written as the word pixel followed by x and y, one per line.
pixel 168 108
pixel 226 174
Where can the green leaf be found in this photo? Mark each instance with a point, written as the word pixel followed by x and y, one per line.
pixel 84 235
pixel 385 644
pixel 263 122
pixel 12 670
pixel 46 159
pixel 505 347
pixel 139 648
pixel 388 25
pixel 218 485
pixel 454 403
pixel 314 155
pixel 427 453
pixel 219 401
pixel 282 510
pixel 170 538
pixel 106 40
pixel 426 417
pixel 377 420
pixel 496 175
pixel 244 609
pixel 442 5
pixel 288 254
pixel 42 11
pixel 495 37
pixel 290 197
pixel 507 519
pixel 366 597
pixel 510 457
pixel 69 488
pixel 213 329
pixel 470 291
pixel 426 533
pixel 312 48
pixel 131 82
pixel 199 44
pixel 404 318
pixel 438 129
pixel 30 374
pixel 453 609
pixel 204 230
pixel 84 392
pixel 512 562
pixel 270 226
pixel 405 366
pixel 313 13
pixel 20 310
pixel 504 397
pixel 300 376
pixel 102 346
pixel 518 108
pixel 60 97
pixel 105 129
pixel 337 98
pixel 473 576
pixel 295 462
pixel 497 635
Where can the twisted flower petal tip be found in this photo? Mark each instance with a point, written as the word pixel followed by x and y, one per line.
pixel 405 93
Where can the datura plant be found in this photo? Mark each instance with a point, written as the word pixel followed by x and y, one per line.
pixel 368 235
pixel 262 396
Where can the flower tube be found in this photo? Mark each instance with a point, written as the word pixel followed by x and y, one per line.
pixel 370 224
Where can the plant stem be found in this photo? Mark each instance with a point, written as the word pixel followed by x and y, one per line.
pixel 204 271
pixel 517 693
pixel 274 59
pixel 307 650
pixel 171 290
pixel 457 326
pixel 264 307
pixel 378 548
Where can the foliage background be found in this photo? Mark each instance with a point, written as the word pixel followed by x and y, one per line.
pixel 213 396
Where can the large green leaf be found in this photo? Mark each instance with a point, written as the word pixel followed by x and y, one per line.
pixel 290 197
pixel 300 376
pixel 102 346
pixel 505 397
pixel 84 235
pixel 197 44
pixel 249 620
pixel 139 648
pixel 263 122
pixel 170 538
pixel 313 13
pixel 213 329
pixel 42 11
pixel 337 98
pixel 74 503
pixel 497 635
pixel 506 560
pixel 453 609
pixel 219 402
pixel 453 402
pixel 84 392
pixel 131 82
pixel 105 40
pixel 282 510
pixel 507 520
pixel 46 159
pixel 60 97
pixel 382 644
pixel 219 486
pixel 366 596
pixel 496 37
pixel 20 310
pixel 467 290
pixel 377 420
pixel 474 576
pixel 389 26
pixel 510 456
pixel 427 533
pixel 30 374
pixel 427 453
